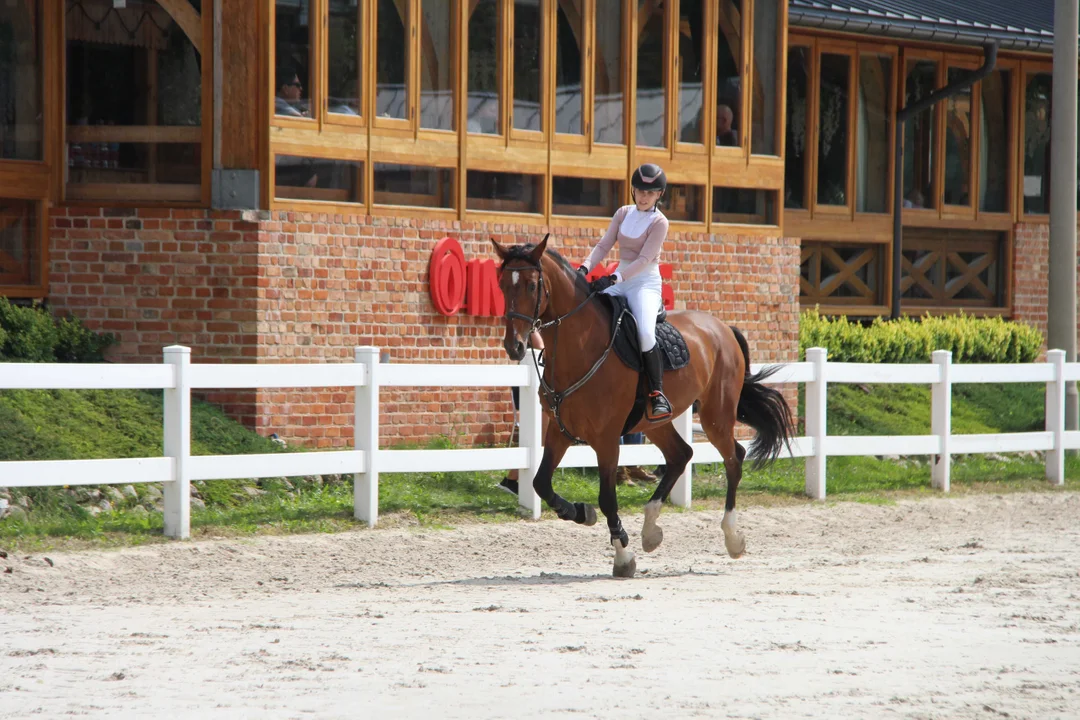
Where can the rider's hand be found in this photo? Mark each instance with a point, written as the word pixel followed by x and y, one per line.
pixel 582 269
pixel 602 283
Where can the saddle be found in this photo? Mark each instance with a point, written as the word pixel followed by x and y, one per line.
pixel 674 351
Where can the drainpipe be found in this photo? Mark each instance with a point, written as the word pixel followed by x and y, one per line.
pixel 989 61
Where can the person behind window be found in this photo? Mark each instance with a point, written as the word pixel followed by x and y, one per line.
pixel 725 135
pixel 485 118
pixel 914 199
pixel 289 101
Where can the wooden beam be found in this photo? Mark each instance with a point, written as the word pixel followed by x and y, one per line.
pixel 187 17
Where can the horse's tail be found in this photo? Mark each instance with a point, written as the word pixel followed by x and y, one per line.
pixel 763 408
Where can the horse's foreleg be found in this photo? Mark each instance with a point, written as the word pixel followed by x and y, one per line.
pixel 607 462
pixel 677 454
pixel 555 445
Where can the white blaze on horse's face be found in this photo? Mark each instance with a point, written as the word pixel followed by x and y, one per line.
pixel 515 278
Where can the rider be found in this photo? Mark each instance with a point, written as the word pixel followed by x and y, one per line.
pixel 640 230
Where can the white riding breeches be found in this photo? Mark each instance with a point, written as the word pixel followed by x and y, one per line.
pixel 643 295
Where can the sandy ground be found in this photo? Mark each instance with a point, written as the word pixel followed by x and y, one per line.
pixel 946 608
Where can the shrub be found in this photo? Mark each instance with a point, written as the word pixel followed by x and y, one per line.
pixel 912 340
pixel 29 334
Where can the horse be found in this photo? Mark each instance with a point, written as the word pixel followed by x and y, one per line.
pixel 588 394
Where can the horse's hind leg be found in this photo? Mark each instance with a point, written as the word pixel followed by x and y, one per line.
pixel 677 454
pixel 719 427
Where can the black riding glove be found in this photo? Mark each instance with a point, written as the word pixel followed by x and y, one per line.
pixel 601 284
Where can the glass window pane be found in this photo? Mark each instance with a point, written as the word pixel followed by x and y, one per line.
pixel 306 178
pixel 608 74
pixel 585 196
pixel 650 74
pixel 919 137
pixel 483 69
pixel 728 73
pixel 344 40
pixel 685 203
pixel 411 185
pixel 1037 105
pixel 994 142
pixel 528 59
pixel 19 252
pixel 795 155
pixel 958 143
pixel 873 147
pixel 392 61
pixel 691 67
pixel 20 81
pixel 744 206
pixel 763 110
pixel 569 111
pixel 292 27
pixel 437 48
pixel 502 192
pixel 832 170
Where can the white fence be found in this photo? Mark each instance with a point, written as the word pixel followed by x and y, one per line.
pixel 178 377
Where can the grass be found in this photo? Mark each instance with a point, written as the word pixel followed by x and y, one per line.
pixel 93 424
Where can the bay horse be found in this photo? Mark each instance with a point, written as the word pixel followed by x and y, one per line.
pixel 588 393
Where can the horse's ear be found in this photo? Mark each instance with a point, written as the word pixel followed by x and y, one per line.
pixel 538 251
pixel 499 250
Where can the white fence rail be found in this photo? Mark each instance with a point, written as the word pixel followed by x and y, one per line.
pixel 178 468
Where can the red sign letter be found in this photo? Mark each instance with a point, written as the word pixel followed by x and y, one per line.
pixel 446 276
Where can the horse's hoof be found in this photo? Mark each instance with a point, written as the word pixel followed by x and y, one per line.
pixel 590 516
pixel 625 571
pixel 736 546
pixel 651 538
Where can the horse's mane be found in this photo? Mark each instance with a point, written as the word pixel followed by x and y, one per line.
pixel 524 252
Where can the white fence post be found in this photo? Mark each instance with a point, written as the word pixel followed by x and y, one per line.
pixel 816 427
pixel 177 494
pixel 1055 418
pixel 683 491
pixel 530 436
pixel 366 438
pixel 941 420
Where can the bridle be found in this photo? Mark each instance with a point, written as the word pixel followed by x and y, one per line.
pixel 555 398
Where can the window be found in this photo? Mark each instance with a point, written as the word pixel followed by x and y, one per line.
pixel 20 258
pixel 684 203
pixel 873 134
pixel 796 163
pixel 292 84
pixel 410 185
pixel 484 68
pixel 307 178
pixel 134 104
pixel 958 140
pixel 995 139
pixel 608 80
pixel 585 196
pixel 651 49
pixel 744 206
pixel 729 30
pixel 502 192
pixel 392 60
pixel 920 137
pixel 437 50
pixel 1038 102
pixel 833 130
pixel 528 61
pixel 691 71
pixel 763 110
pixel 569 68
pixel 21 109
pixel 345 47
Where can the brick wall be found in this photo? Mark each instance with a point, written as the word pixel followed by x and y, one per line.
pixel 1031 270
pixel 300 287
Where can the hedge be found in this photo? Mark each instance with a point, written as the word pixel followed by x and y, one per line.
pixel 30 334
pixel 907 340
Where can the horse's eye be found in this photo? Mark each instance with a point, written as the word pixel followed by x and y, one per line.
pixel 532 286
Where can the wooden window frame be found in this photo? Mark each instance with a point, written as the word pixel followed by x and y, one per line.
pixel 961 212
pixel 316 53
pixel 1026 67
pixel 365 16
pixel 781 90
pixel 926 215
pixel 1005 218
pixel 893 53
pixel 849 50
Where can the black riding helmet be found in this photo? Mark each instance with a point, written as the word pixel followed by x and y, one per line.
pixel 649 177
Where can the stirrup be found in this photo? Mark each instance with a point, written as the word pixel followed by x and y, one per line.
pixel 654 397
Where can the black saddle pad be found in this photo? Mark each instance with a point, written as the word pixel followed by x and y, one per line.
pixel 669 339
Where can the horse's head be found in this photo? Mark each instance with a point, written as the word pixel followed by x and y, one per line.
pixel 521 281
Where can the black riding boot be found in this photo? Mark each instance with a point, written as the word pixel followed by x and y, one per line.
pixel 659 408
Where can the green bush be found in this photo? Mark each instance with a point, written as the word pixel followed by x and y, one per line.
pixel 30 334
pixel 908 340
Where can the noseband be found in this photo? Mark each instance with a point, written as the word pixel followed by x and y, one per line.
pixel 553 397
